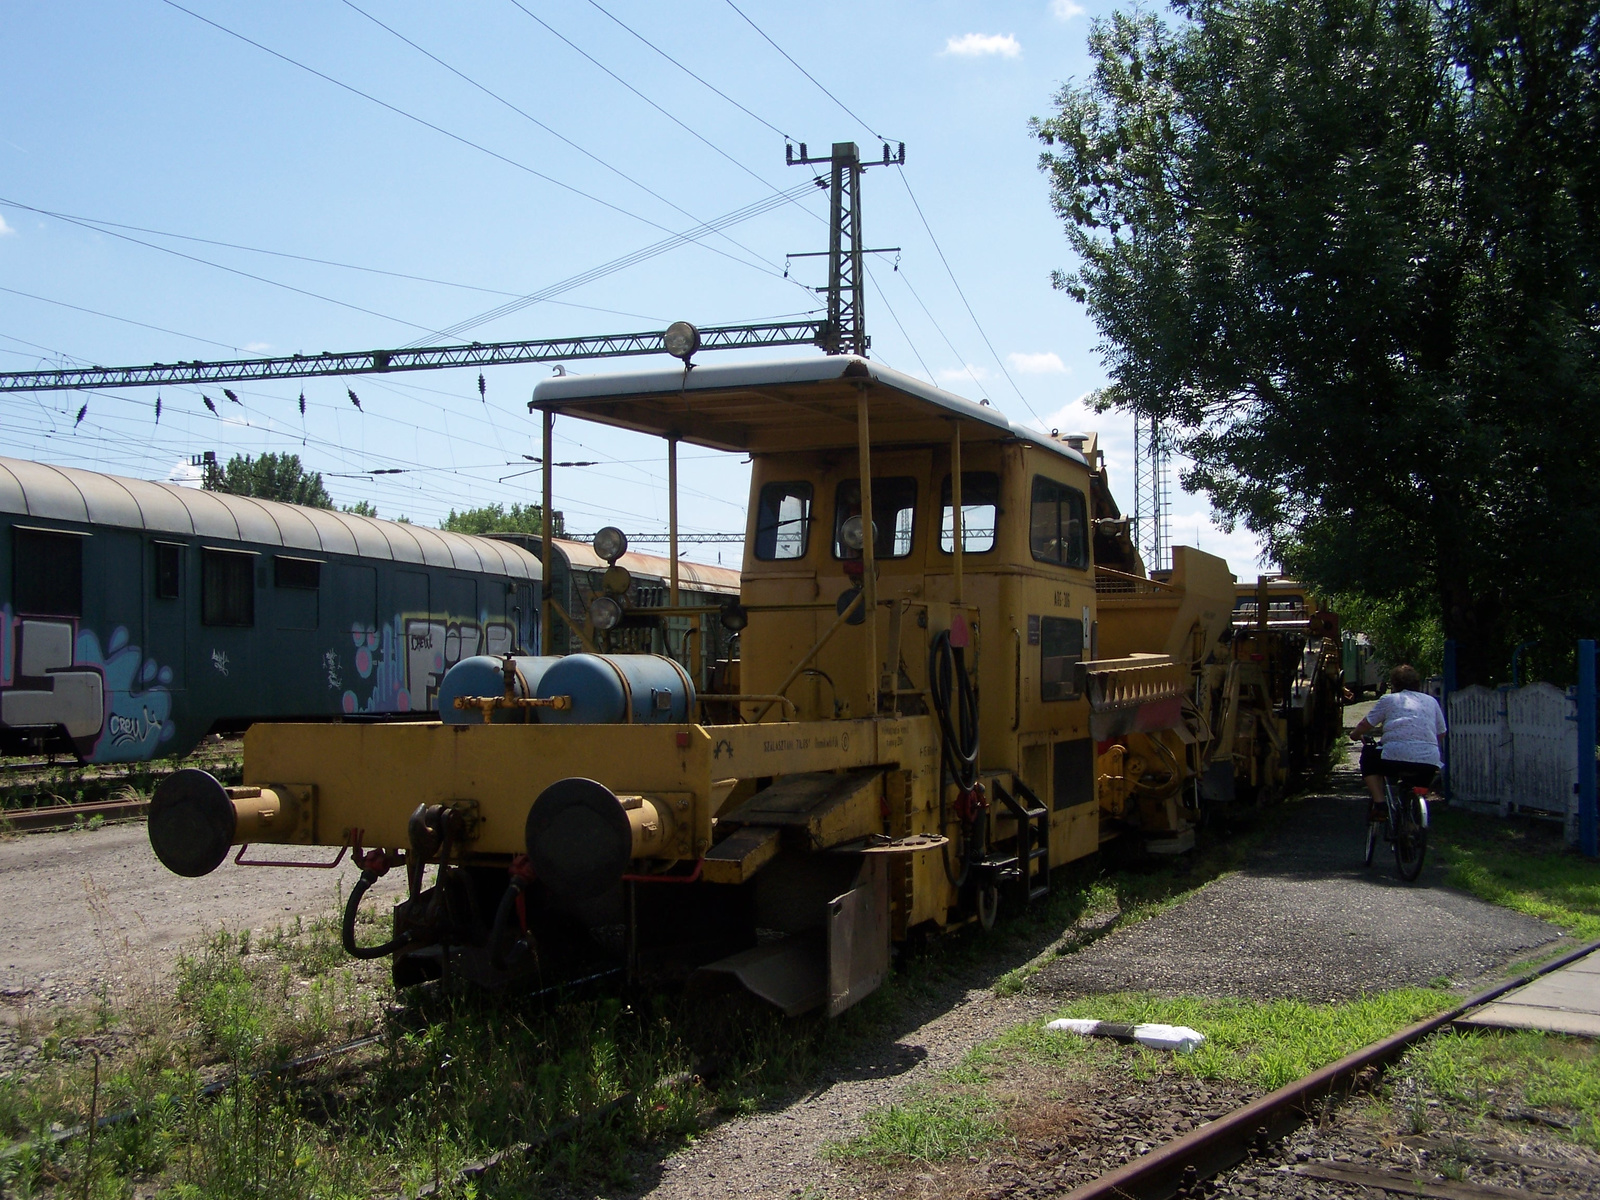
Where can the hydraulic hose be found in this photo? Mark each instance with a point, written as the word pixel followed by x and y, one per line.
pixel 958 741
pixel 348 932
pixel 501 954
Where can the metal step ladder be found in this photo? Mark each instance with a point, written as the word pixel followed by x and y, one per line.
pixel 1030 867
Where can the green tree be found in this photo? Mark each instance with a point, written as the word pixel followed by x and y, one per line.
pixel 496 518
pixel 361 508
pixel 1348 252
pixel 270 477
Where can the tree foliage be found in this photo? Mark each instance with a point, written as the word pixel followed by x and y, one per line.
pixel 497 518
pixel 270 477
pixel 1349 254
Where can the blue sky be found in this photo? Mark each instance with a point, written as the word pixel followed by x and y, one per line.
pixel 144 115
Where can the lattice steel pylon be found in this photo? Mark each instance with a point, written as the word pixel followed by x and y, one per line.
pixel 846 329
pixel 1152 502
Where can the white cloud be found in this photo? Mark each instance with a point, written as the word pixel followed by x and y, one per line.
pixel 971 45
pixel 184 474
pixel 257 347
pixel 1047 363
pixel 4 228
pixel 1065 10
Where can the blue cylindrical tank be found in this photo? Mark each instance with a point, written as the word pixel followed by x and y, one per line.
pixel 484 675
pixel 604 687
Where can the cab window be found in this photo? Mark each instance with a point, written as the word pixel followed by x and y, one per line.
pixel 783 521
pixel 1056 524
pixel 980 506
pixel 894 510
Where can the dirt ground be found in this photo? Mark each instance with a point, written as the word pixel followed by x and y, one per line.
pixel 90 910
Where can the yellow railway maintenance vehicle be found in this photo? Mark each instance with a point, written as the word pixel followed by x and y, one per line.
pixel 954 675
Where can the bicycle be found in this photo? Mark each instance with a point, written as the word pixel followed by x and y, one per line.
pixel 1403 822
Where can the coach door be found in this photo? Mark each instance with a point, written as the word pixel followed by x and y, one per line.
pixel 167 584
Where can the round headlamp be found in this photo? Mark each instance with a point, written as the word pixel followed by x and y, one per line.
pixel 610 543
pixel 681 340
pixel 617 580
pixel 604 612
pixel 851 533
pixel 734 616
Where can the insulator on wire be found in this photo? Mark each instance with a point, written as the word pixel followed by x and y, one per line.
pixel 209 405
pixel 158 408
pixel 228 392
pixel 302 404
pixel 82 412
pixel 354 399
pixel 483 388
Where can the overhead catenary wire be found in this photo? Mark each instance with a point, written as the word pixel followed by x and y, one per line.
pixel 917 205
pixel 552 132
pixel 748 212
pixel 957 284
pixel 850 112
pixel 113 317
pixel 691 74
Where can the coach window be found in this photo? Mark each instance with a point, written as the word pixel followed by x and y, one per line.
pixel 169 558
pixel 1056 524
pixel 228 588
pixel 296 572
pixel 980 507
pixel 894 508
pixel 47 573
pixel 783 521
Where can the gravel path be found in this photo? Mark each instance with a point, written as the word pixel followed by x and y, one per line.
pixel 93 909
pixel 1304 919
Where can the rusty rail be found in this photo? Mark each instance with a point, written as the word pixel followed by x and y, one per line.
pixel 57 816
pixel 1201 1153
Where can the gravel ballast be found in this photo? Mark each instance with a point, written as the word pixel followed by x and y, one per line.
pixel 1305 920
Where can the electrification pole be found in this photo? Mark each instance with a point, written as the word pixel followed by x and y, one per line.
pixel 845 331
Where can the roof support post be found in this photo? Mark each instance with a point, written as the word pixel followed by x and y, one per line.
pixel 869 565
pixel 957 536
pixel 546 527
pixel 672 516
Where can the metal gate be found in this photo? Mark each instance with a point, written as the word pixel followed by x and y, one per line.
pixel 1516 750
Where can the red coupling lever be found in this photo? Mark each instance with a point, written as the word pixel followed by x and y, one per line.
pixel 972 801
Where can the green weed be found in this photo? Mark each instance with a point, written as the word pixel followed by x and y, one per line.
pixel 1497 1072
pixel 1263 1043
pixel 1521 866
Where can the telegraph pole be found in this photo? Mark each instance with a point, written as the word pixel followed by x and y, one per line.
pixel 845 331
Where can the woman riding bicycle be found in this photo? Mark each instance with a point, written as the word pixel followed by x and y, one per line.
pixel 1413 735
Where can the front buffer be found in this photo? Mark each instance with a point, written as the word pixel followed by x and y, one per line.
pixel 560 850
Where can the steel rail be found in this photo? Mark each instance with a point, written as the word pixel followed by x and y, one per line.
pixel 55 816
pixel 1178 1166
pixel 421 358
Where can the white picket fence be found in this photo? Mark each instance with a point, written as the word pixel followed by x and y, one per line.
pixel 1516 750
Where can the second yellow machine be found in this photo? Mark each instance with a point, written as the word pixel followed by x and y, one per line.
pixel 954 673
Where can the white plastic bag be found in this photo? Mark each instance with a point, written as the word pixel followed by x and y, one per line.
pixel 1158 1037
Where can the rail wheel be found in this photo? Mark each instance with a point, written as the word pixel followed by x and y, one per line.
pixel 988 899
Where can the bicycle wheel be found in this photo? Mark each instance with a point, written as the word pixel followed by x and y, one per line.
pixel 1372 840
pixel 1411 837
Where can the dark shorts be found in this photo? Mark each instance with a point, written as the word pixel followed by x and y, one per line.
pixel 1408 774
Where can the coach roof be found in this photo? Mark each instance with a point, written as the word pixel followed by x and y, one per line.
pixel 68 494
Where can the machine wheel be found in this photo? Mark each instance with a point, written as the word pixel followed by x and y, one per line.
pixel 988 900
pixel 1411 837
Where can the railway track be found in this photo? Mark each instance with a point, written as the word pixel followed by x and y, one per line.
pixel 64 816
pixel 1183 1166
